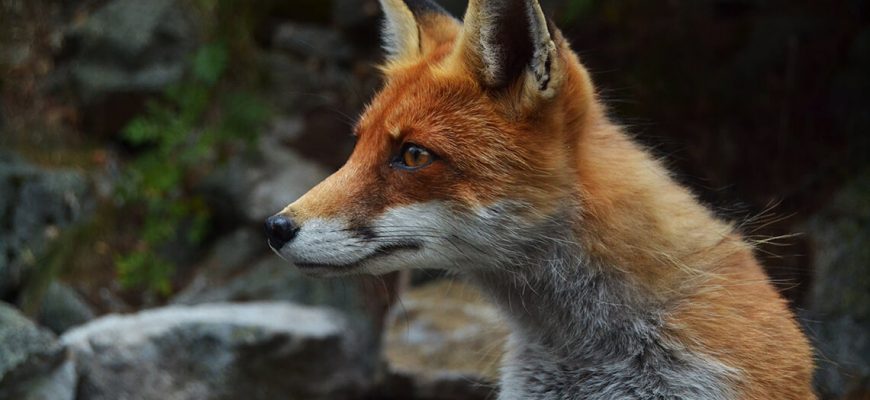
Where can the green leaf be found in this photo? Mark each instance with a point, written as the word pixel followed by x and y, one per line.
pixel 210 62
pixel 244 115
pixel 144 269
pixel 183 132
pixel 199 226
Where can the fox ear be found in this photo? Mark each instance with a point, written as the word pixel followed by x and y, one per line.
pixel 509 41
pixel 413 27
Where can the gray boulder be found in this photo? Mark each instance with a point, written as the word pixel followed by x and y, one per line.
pixel 441 386
pixel 289 177
pixel 240 268
pixel 33 366
pixel 300 85
pixel 62 308
pixel 35 204
pixel 131 46
pixel 443 342
pixel 122 54
pixel 443 330
pixel 838 315
pixel 219 351
pixel 228 258
pixel 311 42
pixel 273 279
pixel 261 187
pixel 59 384
pixel 313 67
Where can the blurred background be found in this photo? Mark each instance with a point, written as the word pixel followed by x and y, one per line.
pixel 142 143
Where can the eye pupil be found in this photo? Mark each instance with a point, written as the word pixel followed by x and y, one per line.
pixel 416 157
pixel 410 157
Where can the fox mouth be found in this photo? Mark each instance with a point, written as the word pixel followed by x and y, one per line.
pixel 382 251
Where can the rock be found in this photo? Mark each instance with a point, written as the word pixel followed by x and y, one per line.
pixel 272 278
pixel 130 45
pixel 311 42
pixel 62 308
pixel 442 330
pixel 250 190
pixel 59 384
pixel 34 204
pixel 278 189
pixel 325 78
pixel 124 50
pixel 285 129
pixel 442 386
pixel 838 310
pixel 228 258
pixel 240 268
pixel 301 85
pixel 219 351
pixel 312 67
pixel 33 365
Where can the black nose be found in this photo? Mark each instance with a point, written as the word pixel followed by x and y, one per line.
pixel 280 230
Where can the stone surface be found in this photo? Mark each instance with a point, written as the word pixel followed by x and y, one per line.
pixel 59 384
pixel 219 351
pixel 34 204
pixel 250 190
pixel 442 329
pixel 300 85
pixel 131 46
pixel 32 363
pixel 838 315
pixel 62 308
pixel 441 386
pixel 122 54
pixel 271 278
pixel 228 258
pixel 278 188
pixel 241 268
pixel 311 41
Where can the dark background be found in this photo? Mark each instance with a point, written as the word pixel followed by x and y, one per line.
pixel 762 107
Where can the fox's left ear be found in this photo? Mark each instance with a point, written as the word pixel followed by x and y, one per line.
pixel 508 43
pixel 414 27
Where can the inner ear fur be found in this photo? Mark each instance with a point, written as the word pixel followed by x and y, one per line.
pixel 413 28
pixel 506 43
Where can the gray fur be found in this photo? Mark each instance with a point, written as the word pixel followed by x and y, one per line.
pixel 580 331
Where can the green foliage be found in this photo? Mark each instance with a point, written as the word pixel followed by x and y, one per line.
pixel 209 63
pixel 145 269
pixel 182 134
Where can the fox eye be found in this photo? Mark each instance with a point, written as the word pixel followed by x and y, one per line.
pixel 414 157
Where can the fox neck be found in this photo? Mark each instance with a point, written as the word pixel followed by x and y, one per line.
pixel 592 292
pixel 558 299
pixel 586 330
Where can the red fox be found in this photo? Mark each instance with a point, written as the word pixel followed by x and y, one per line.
pixel 488 153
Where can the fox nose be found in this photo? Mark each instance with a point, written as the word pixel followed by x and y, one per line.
pixel 280 230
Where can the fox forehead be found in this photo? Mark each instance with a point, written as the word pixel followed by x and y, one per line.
pixel 419 95
pixel 485 153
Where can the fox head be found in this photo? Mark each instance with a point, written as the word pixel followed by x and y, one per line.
pixel 466 155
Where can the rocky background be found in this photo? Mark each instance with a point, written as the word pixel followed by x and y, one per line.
pixel 143 142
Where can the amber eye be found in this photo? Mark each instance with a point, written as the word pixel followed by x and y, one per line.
pixel 414 157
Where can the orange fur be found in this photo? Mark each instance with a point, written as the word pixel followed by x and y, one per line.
pixel 511 144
